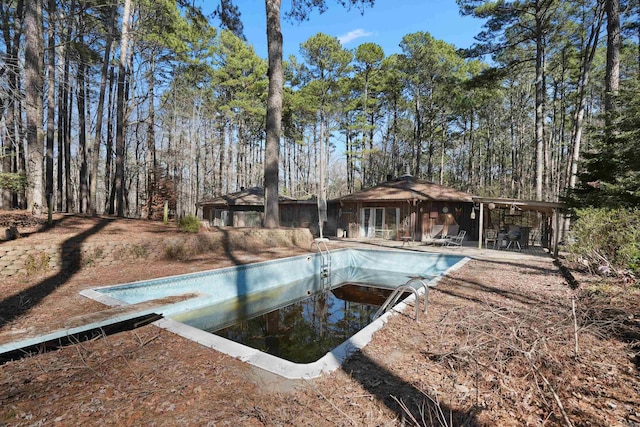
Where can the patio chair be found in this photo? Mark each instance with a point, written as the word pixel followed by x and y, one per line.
pixel 435 236
pixel 490 236
pixel 457 240
pixel 452 231
pixel 535 238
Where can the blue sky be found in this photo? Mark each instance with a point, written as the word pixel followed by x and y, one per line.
pixel 385 24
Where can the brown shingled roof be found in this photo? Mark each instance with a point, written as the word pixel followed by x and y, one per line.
pixel 253 196
pixel 408 188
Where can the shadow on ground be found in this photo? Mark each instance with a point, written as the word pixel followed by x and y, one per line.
pixel 411 405
pixel 20 303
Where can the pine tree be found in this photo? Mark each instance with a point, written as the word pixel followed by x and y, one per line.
pixel 611 175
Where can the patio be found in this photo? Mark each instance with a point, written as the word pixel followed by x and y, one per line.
pixel 468 248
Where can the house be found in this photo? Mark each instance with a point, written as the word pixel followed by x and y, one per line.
pixel 400 208
pixel 245 208
pixel 404 207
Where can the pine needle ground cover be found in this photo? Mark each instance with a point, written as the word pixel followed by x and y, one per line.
pixel 504 343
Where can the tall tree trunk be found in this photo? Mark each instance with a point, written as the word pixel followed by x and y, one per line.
pixel 370 138
pixel 67 143
pixel 613 61
pixel 34 59
pixel 322 192
pixel 441 177
pixel 66 113
pixel 394 131
pixel 222 159
pixel 82 136
pixel 471 162
pixel 418 137
pixel 12 120
pixel 191 138
pixel 588 55
pixel 228 166
pixel 51 101
pixel 539 108
pixel 349 154
pixel 274 114
pixel 120 110
pixel 109 198
pixel 151 141
pixel 151 162
pixel 62 96
pixel 97 140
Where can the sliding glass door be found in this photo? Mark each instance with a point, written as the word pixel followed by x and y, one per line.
pixel 379 222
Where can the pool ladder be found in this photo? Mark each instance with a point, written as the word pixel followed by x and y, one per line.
pixel 325 267
pixel 399 291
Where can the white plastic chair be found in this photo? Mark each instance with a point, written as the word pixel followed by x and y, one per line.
pixel 490 236
pixel 457 240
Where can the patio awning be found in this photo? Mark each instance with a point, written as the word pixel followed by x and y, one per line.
pixel 549 208
pixel 525 205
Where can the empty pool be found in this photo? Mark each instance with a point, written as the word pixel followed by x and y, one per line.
pixel 224 300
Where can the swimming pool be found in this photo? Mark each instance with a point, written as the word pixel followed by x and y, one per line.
pixel 237 288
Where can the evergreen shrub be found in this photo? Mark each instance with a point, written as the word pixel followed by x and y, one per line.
pixel 189 224
pixel 607 241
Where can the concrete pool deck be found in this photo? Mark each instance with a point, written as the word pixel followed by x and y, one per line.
pixel 468 249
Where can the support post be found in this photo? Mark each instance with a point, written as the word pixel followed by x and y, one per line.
pixel 480 225
pixel 556 226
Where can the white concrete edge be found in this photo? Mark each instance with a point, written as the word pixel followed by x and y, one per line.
pixel 457 266
pixel 161 310
pixel 67 332
pixel 102 298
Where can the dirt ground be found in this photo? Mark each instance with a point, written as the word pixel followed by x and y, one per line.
pixel 501 345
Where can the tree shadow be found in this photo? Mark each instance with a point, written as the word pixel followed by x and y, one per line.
pixel 241 279
pixel 411 405
pixel 43 228
pixel 500 264
pixel 71 258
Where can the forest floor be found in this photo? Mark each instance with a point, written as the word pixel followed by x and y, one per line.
pixel 501 345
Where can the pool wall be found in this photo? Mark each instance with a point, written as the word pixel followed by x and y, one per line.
pixel 226 283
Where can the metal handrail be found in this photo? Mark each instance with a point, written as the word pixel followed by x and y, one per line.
pixel 426 292
pixel 317 243
pixel 397 293
pixel 325 268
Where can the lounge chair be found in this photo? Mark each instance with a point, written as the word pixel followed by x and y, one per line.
pixel 457 240
pixel 435 235
pixel 452 231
